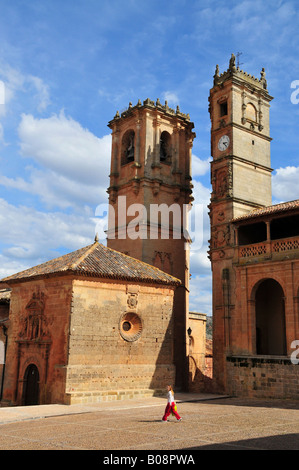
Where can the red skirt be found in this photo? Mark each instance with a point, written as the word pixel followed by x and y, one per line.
pixel 170 409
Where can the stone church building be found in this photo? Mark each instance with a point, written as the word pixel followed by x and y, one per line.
pixel 91 325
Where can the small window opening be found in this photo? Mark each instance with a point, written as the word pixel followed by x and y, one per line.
pixel 223 109
pixel 126 326
pixel 165 147
pixel 128 147
pixel 130 326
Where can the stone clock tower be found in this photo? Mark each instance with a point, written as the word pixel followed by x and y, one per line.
pixel 241 182
pixel 150 189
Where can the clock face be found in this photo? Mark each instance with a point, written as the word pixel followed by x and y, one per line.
pixel 223 142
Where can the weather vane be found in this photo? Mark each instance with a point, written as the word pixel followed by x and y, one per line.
pixel 238 56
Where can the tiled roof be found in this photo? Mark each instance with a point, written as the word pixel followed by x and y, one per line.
pixel 269 210
pixel 98 261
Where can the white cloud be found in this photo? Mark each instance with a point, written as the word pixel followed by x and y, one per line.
pixel 13 80
pixel 200 299
pixel 200 167
pixel 201 193
pixel 199 261
pixel 25 234
pixel 42 92
pixel 8 266
pixel 200 230
pixel 61 144
pixel 74 163
pixel 171 98
pixel 1 133
pixel 285 184
pixel 2 98
pixel 15 83
pixel 56 190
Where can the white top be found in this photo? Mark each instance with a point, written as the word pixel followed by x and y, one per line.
pixel 170 397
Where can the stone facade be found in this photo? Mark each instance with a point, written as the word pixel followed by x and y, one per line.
pixel 262 377
pixel 254 246
pixel 103 360
pixel 199 368
pixel 38 336
pixel 92 325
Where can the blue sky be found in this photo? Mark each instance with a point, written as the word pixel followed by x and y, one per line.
pixel 67 66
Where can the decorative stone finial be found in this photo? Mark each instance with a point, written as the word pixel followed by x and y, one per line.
pixel 263 79
pixel 216 75
pixel 232 63
pixel 96 238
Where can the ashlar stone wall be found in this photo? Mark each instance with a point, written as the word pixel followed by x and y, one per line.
pixel 120 342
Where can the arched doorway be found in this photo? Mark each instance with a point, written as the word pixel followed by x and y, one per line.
pixel 270 318
pixel 31 386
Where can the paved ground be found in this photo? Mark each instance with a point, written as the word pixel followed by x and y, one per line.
pixel 209 423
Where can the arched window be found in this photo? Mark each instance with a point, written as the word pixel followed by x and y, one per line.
pixel 270 318
pixel 165 147
pixel 128 147
pixel 251 114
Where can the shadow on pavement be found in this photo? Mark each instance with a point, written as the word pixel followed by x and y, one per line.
pixel 253 402
pixel 280 442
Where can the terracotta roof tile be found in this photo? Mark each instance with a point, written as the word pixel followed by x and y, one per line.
pixel 98 261
pixel 268 210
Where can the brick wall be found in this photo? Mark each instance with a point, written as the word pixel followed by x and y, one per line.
pixel 262 377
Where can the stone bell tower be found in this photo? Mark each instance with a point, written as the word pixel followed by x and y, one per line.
pixel 241 182
pixel 149 193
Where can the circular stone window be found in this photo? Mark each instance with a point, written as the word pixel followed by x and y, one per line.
pixel 130 326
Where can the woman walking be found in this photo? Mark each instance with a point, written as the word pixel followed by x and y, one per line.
pixel 171 406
